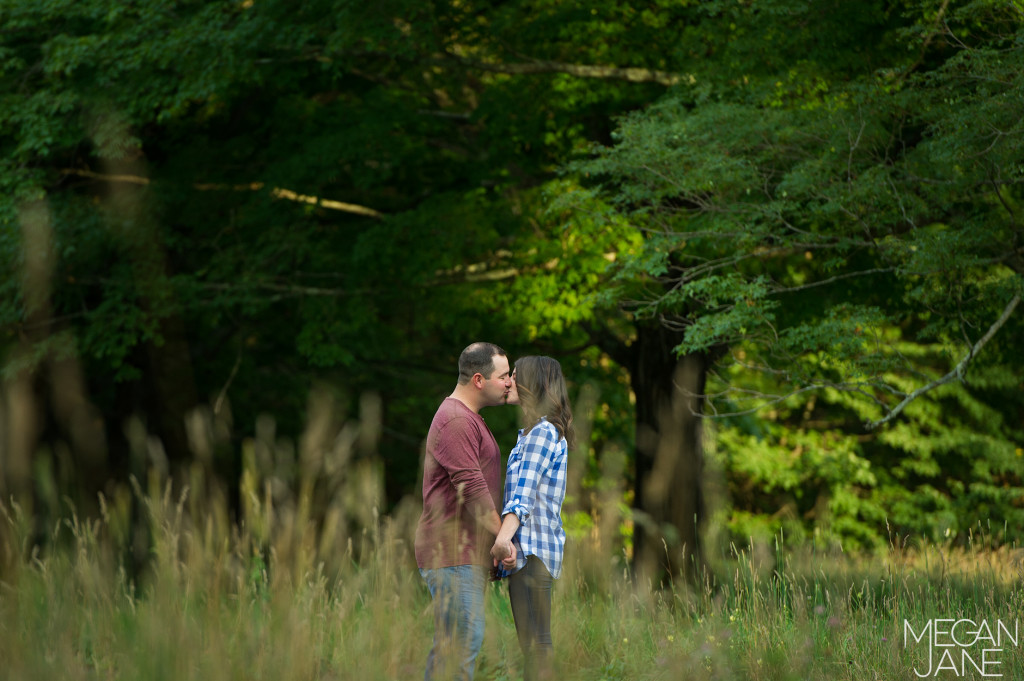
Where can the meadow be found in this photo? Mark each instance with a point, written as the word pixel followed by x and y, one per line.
pixel 275 598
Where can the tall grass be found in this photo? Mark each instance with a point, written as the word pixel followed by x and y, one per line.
pixel 210 606
pixel 277 596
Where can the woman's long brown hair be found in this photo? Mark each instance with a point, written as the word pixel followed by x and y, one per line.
pixel 542 393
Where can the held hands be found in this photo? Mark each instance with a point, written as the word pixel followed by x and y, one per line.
pixel 504 552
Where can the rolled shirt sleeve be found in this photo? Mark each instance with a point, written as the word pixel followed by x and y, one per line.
pixel 524 471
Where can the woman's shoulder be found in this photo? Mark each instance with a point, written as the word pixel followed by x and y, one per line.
pixel 546 430
pixel 543 422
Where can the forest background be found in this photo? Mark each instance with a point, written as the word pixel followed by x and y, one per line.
pixel 775 244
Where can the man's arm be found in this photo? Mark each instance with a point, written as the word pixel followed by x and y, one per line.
pixel 490 521
pixel 457 451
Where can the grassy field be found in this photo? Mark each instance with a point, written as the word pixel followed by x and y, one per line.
pixel 276 600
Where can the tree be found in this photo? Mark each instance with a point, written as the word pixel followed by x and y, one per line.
pixel 818 222
pixel 234 198
pixel 227 202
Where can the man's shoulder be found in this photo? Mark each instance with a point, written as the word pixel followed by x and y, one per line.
pixel 453 413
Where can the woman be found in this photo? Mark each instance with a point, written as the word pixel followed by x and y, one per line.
pixel 531 539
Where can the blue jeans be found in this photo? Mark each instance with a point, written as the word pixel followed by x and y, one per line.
pixel 458 595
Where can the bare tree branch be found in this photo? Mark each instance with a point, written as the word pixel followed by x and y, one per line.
pixel 276 192
pixel 131 179
pixel 224 391
pixel 832 280
pixel 631 74
pixel 279 193
pixel 284 291
pixel 768 401
pixel 957 373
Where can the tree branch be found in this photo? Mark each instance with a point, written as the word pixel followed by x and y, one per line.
pixel 832 280
pixel 279 193
pixel 131 179
pixel 284 291
pixel 224 391
pixel 631 74
pixel 958 371
pixel 276 192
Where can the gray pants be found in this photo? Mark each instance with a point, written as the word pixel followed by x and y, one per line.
pixel 529 591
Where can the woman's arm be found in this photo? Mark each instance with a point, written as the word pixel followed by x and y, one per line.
pixel 523 479
pixel 504 551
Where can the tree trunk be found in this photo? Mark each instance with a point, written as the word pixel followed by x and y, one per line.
pixel 669 506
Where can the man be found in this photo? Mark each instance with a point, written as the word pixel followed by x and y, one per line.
pixel 461 494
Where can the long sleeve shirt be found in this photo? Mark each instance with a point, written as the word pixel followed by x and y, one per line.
pixel 534 490
pixel 461 483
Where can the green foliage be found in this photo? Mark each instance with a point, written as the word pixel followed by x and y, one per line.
pixel 844 228
pixel 330 192
pixel 731 189
pixel 350 193
pixel 801 465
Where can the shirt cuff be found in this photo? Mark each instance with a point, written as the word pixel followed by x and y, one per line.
pixel 521 511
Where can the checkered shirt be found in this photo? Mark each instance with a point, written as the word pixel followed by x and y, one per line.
pixel 534 490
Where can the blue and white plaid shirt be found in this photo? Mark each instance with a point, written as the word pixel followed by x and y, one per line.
pixel 534 491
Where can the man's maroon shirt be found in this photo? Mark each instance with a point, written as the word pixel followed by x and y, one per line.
pixel 461 482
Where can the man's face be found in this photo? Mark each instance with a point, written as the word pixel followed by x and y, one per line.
pixel 500 382
pixel 512 396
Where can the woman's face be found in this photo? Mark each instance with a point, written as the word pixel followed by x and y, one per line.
pixel 512 396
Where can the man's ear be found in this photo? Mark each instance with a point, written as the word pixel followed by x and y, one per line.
pixel 479 381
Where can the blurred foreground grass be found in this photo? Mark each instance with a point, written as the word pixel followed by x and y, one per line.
pixel 312 582
pixel 218 602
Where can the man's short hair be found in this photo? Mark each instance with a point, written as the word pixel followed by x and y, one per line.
pixel 478 358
